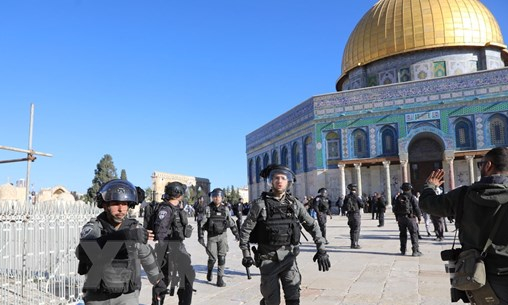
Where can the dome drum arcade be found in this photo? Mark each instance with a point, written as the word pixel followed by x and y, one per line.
pixel 431 91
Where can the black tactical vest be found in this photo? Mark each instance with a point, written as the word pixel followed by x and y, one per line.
pixel 121 275
pixel 217 222
pixel 323 204
pixel 281 227
pixel 170 223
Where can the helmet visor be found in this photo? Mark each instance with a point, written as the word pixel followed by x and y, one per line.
pixel 284 172
pixel 217 193
pixel 120 191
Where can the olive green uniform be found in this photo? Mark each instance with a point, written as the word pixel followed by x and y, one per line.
pixel 277 264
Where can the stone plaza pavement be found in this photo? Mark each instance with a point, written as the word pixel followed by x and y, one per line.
pixel 375 274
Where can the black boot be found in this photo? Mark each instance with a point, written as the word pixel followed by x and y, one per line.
pixel 209 274
pixel 220 282
pixel 416 252
pixel 293 302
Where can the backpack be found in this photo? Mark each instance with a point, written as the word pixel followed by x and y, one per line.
pixel 403 205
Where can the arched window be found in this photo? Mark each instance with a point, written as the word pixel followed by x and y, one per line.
pixel 389 141
pixel 497 127
pixel 360 144
pixel 258 168
pixel 295 157
pixel 275 157
pixel 307 153
pixel 284 156
pixel 464 134
pixel 266 160
pixel 251 171
pixel 332 145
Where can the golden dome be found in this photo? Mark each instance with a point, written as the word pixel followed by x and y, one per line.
pixel 393 27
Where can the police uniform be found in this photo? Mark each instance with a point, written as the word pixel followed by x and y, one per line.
pixel 274 224
pixel 170 229
pixel 216 221
pixel 381 209
pixel 237 211
pixel 321 205
pixel 352 205
pixel 111 263
pixel 407 222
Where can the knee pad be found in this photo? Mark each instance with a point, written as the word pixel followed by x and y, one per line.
pixel 222 260
pixel 211 262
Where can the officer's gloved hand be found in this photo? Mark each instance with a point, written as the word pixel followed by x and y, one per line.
pixel 322 259
pixel 139 235
pixel 201 241
pixel 247 261
pixel 159 289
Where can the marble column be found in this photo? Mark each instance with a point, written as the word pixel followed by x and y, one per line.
pixel 342 179
pixel 388 190
pixel 451 172
pixel 358 173
pixel 404 168
pixel 470 167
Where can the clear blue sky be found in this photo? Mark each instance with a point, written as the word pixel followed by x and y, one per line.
pixel 161 85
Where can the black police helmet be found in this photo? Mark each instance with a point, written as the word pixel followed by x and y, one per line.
pixel 174 190
pixel 272 169
pixel 217 192
pixel 118 190
pixel 323 191
pixel 352 187
pixel 406 186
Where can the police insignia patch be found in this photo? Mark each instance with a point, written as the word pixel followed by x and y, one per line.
pixel 86 230
pixel 162 214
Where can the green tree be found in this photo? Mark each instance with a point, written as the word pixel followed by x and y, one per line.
pixel 233 196
pixel 123 175
pixel 104 172
pixel 149 194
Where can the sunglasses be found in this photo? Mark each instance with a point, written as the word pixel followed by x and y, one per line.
pixel 480 164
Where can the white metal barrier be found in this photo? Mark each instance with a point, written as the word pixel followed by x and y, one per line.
pixel 37 244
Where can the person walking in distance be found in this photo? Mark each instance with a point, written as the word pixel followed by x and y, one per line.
pixel 321 205
pixel 237 211
pixel 273 223
pixel 381 208
pixel 406 212
pixel 216 221
pixel 352 206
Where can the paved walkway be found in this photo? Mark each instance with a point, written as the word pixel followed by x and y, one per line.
pixel 375 274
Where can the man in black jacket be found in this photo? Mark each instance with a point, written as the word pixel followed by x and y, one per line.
pixel 352 206
pixel 476 208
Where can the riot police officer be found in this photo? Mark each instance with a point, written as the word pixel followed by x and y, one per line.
pixel 216 221
pixel 406 212
pixel 171 227
pixel 352 206
pixel 321 205
pixel 273 223
pixel 199 210
pixel 112 247
pixel 237 209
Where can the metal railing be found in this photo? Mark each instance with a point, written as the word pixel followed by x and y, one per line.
pixel 37 244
